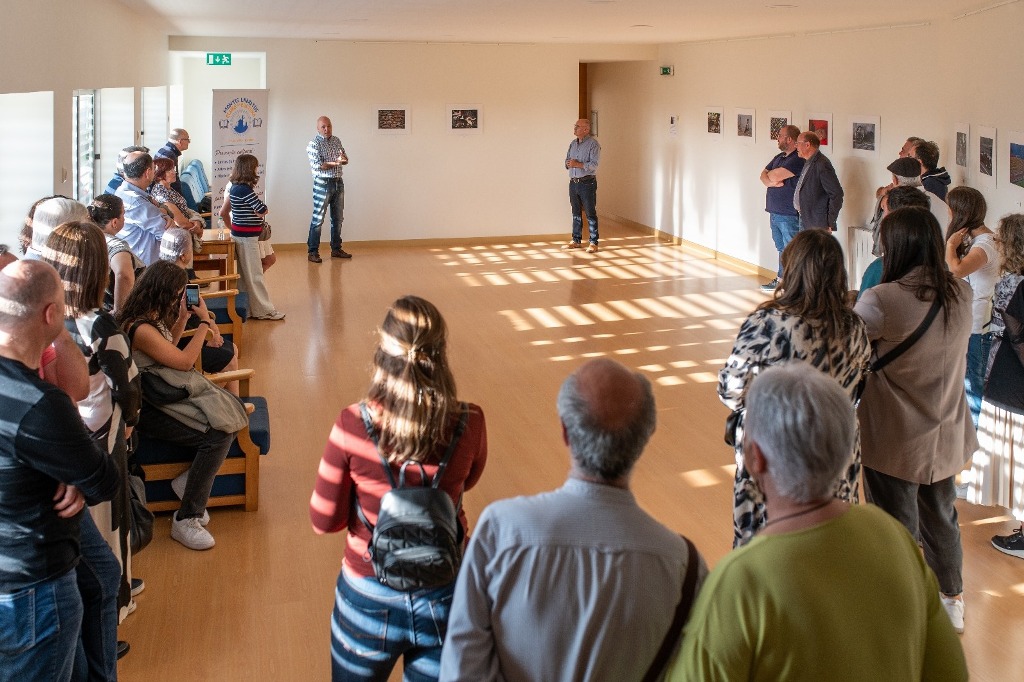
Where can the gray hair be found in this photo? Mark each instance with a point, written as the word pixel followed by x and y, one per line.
pixel 123 154
pixel 805 425
pixel 176 134
pixel 904 181
pixel 175 243
pixel 138 165
pixel 53 212
pixel 607 454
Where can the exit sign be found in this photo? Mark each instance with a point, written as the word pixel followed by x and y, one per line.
pixel 218 59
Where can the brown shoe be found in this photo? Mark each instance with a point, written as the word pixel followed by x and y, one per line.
pixel 592 248
pixel 314 257
pixel 571 245
pixel 340 253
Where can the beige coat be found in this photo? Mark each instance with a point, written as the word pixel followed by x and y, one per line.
pixel 914 420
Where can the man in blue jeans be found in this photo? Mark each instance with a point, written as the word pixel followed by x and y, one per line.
pixel 52 467
pixel 326 158
pixel 780 177
pixel 581 161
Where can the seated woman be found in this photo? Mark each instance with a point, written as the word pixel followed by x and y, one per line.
pixel 247 214
pixel 826 591
pixel 808 320
pixel 107 211
pixel 154 317
pixel 219 354
pixel 175 204
pixel 415 434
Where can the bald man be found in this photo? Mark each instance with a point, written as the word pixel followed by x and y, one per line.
pixel 326 158
pixel 581 160
pixel 578 583
pixel 47 457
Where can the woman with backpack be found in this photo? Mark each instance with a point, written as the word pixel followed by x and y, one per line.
pixel 395 586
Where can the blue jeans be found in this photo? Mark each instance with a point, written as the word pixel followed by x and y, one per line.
pixel 99 577
pixel 583 197
pixel 39 628
pixel 784 228
pixel 977 360
pixel 373 625
pixel 327 192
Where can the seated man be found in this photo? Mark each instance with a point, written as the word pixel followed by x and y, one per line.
pixel 118 177
pixel 46 455
pixel 825 591
pixel 578 583
pixel 144 220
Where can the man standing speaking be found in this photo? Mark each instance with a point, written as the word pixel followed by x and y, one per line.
pixel 326 158
pixel 581 160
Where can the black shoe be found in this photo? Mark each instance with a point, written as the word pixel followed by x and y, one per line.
pixel 314 257
pixel 123 648
pixel 1012 544
pixel 138 585
pixel 771 286
pixel 340 253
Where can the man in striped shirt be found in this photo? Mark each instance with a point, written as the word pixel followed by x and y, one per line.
pixel 326 158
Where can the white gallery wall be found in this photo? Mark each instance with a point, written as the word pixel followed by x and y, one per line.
pixel 919 80
pixel 429 183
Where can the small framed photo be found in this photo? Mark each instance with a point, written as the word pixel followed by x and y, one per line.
pixel 392 119
pixel 864 132
pixel 715 121
pixel 745 123
pixel 465 119
pixel 821 125
pixel 777 120
pixel 1015 173
pixel 985 172
pixel 962 145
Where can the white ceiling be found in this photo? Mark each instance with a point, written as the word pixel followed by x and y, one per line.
pixel 538 21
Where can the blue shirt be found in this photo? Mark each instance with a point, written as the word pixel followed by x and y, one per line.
pixel 321 150
pixel 144 222
pixel 779 200
pixel 587 152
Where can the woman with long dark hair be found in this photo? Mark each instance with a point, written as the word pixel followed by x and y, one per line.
pixel 807 320
pixel 971 255
pixel 410 416
pixel 915 424
pixel 154 317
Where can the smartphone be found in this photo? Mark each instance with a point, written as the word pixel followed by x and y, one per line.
pixel 191 295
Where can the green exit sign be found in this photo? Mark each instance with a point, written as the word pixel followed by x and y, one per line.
pixel 218 59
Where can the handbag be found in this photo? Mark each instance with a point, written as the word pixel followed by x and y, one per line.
pixel 732 422
pixel 140 519
pixel 158 392
pixel 265 233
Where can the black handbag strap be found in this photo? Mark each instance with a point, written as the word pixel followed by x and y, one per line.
pixel 435 482
pixel 689 589
pixel 905 345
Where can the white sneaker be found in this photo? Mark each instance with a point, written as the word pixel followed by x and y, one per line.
pixel 191 533
pixel 178 486
pixel 955 610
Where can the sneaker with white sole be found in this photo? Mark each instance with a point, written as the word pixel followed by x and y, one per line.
pixel 191 533
pixel 178 486
pixel 138 585
pixel 771 286
pixel 955 610
pixel 1012 544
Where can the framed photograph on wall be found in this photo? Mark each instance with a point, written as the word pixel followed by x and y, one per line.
pixel 1015 173
pixel 962 145
pixel 465 119
pixel 984 171
pixel 776 120
pixel 745 124
pixel 821 125
pixel 865 132
pixel 392 119
pixel 715 121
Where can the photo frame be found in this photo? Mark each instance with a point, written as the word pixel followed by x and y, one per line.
pixel 746 124
pixel 776 120
pixel 392 119
pixel 714 122
pixel 984 169
pixel 465 119
pixel 865 135
pixel 1015 170
pixel 821 124
pixel 962 145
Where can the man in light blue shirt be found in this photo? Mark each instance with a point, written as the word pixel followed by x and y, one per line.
pixel 576 584
pixel 581 160
pixel 144 221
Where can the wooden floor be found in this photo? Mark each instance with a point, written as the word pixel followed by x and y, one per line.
pixel 522 315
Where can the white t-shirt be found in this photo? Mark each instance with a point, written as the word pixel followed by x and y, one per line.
pixel 983 282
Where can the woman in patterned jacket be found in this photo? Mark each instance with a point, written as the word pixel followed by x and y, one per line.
pixel 808 320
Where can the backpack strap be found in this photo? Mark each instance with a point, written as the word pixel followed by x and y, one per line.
pixel 686 600
pixel 459 428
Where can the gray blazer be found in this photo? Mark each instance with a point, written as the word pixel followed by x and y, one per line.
pixel 821 195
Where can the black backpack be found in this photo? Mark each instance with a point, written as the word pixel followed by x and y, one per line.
pixel 417 542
